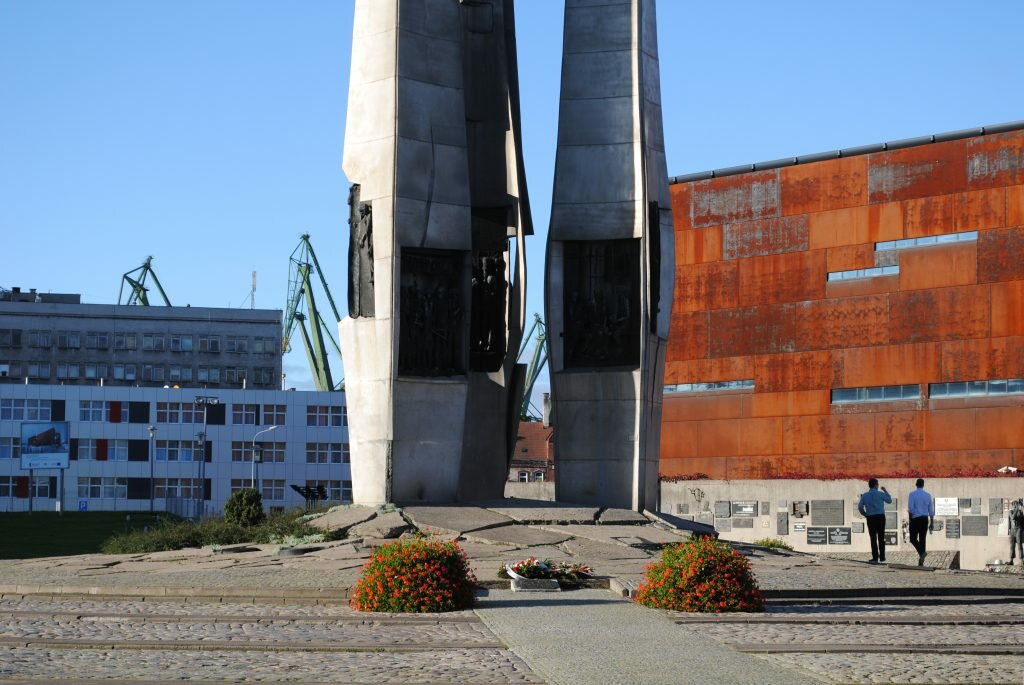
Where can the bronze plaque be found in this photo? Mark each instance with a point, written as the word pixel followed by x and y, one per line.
pixel 432 330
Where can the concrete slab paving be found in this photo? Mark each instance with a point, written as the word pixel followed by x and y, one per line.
pixel 621 535
pixel 455 519
pixel 385 526
pixel 627 517
pixel 529 512
pixel 343 518
pixel 520 536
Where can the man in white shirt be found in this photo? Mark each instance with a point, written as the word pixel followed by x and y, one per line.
pixel 921 510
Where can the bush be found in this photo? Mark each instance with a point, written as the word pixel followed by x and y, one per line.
pixel 773 543
pixel 245 508
pixel 415 575
pixel 700 575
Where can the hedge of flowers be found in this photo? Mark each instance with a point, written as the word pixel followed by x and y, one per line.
pixel 700 575
pixel 415 575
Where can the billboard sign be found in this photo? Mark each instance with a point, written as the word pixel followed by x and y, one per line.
pixel 44 445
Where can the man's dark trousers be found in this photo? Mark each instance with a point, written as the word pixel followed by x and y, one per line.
pixel 919 533
pixel 876 531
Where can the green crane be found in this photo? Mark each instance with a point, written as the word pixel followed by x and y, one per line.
pixel 538 333
pixel 301 307
pixel 135 283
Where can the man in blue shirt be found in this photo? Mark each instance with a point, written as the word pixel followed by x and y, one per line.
pixel 921 510
pixel 872 507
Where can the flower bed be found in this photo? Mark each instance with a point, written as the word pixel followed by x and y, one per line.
pixel 700 575
pixel 415 575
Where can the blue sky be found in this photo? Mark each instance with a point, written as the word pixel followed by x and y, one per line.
pixel 209 134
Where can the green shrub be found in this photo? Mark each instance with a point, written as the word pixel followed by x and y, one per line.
pixel 773 543
pixel 415 575
pixel 700 575
pixel 245 508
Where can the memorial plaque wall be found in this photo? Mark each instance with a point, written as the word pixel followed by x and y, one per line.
pixel 682 508
pixel 723 525
pixel 974 525
pixel 744 508
pixel 828 512
pixel 936 525
pixel 766 509
pixel 892 520
pixel 782 522
pixel 947 506
pixel 799 527
pixel 965 503
pixel 743 523
pixel 723 510
pixel 892 538
pixel 817 535
pixel 894 505
pixel 858 526
pixel 838 536
pixel 952 528
pixel 995 511
pixel 799 509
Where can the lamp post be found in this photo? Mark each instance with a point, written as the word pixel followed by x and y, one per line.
pixel 204 401
pixel 152 458
pixel 252 483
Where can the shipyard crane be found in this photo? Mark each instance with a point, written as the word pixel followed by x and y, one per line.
pixel 537 333
pixel 134 284
pixel 301 307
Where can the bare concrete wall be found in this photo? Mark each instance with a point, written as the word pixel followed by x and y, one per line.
pixel 989 499
pixel 541 490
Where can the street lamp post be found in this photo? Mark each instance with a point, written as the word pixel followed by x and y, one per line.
pixel 252 482
pixel 204 401
pixel 152 458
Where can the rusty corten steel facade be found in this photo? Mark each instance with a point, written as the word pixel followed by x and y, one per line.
pixel 752 301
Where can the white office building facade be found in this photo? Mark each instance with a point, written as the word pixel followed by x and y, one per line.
pixel 183 450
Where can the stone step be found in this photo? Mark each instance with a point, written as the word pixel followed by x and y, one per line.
pixel 812 648
pixel 925 600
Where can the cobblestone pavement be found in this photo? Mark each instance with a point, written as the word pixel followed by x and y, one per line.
pixel 881 644
pixel 143 641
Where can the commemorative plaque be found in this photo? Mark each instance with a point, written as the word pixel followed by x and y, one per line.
pixel 974 525
pixel 936 525
pixel 838 535
pixel 723 510
pixel 858 526
pixel 817 535
pixel 723 525
pixel 744 508
pixel 828 512
pixel 743 523
pixel 892 520
pixel 766 508
pixel 894 505
pixel 682 508
pixel 892 538
pixel 965 503
pixel 799 509
pixel 952 528
pixel 799 527
pixel 947 506
pixel 782 522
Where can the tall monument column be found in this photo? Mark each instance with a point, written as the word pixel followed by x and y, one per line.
pixel 609 267
pixel 436 295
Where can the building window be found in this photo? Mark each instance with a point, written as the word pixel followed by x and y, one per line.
pixel 188 488
pixel 274 414
pixel 321 415
pixel 709 387
pixel 262 345
pixel 124 372
pixel 117 450
pixel 873 272
pixel 125 341
pixel 244 414
pixel 94 371
pixel 97 341
pixel 33 370
pixel 538 476
pixel 96 488
pixel 239 484
pixel 209 343
pixel 153 342
pixel 263 376
pixel 10 337
pixel 327 453
pixel 337 490
pixel 179 412
pixel 67 340
pixel 67 371
pixel 977 388
pixel 877 393
pixel 241 450
pixel 180 373
pixel 178 450
pixel 92 410
pixel 235 343
pixel 25 410
pixel 6 486
pixel 524 477
pixel 209 374
pixel 181 343
pixel 234 374
pixel 943 239
pixel 10 448
pixel 39 339
pixel 273 452
pixel 40 487
pixel 273 489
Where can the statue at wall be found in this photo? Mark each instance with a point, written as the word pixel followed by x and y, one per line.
pixel 360 255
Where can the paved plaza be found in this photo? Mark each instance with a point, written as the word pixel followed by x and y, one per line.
pixel 250 613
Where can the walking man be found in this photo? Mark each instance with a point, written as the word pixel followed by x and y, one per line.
pixel 1017 530
pixel 872 507
pixel 921 511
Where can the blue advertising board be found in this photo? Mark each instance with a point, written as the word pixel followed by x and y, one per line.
pixel 44 445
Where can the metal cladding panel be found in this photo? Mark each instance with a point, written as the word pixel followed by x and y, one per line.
pixel 1015 206
pixel 898 431
pixel 780 278
pixel 996 160
pixel 849 226
pixel 761 435
pixel 928 216
pixel 982 358
pixel 935 315
pixel 826 324
pixel 950 429
pixel 1001 255
pixel 917 171
pixel 1000 427
pixel 682 205
pixel 736 198
pixel 939 267
pixel 801 371
pixel 848 257
pixel 703 407
pixel 842 433
pixel 955 213
pixel 862 286
pixel 885 222
pixel 719 439
pixel 680 439
pixel 764 237
pixel 696 247
pixel 706 286
pixel 688 336
pixel 755 330
pixel 890 365
pixel 793 403
pixel 700 370
pixel 833 184
pixel 1007 309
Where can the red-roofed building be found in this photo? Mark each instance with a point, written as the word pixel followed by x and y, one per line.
pixel 534 457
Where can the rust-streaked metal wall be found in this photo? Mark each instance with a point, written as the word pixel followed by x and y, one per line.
pixel 752 301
